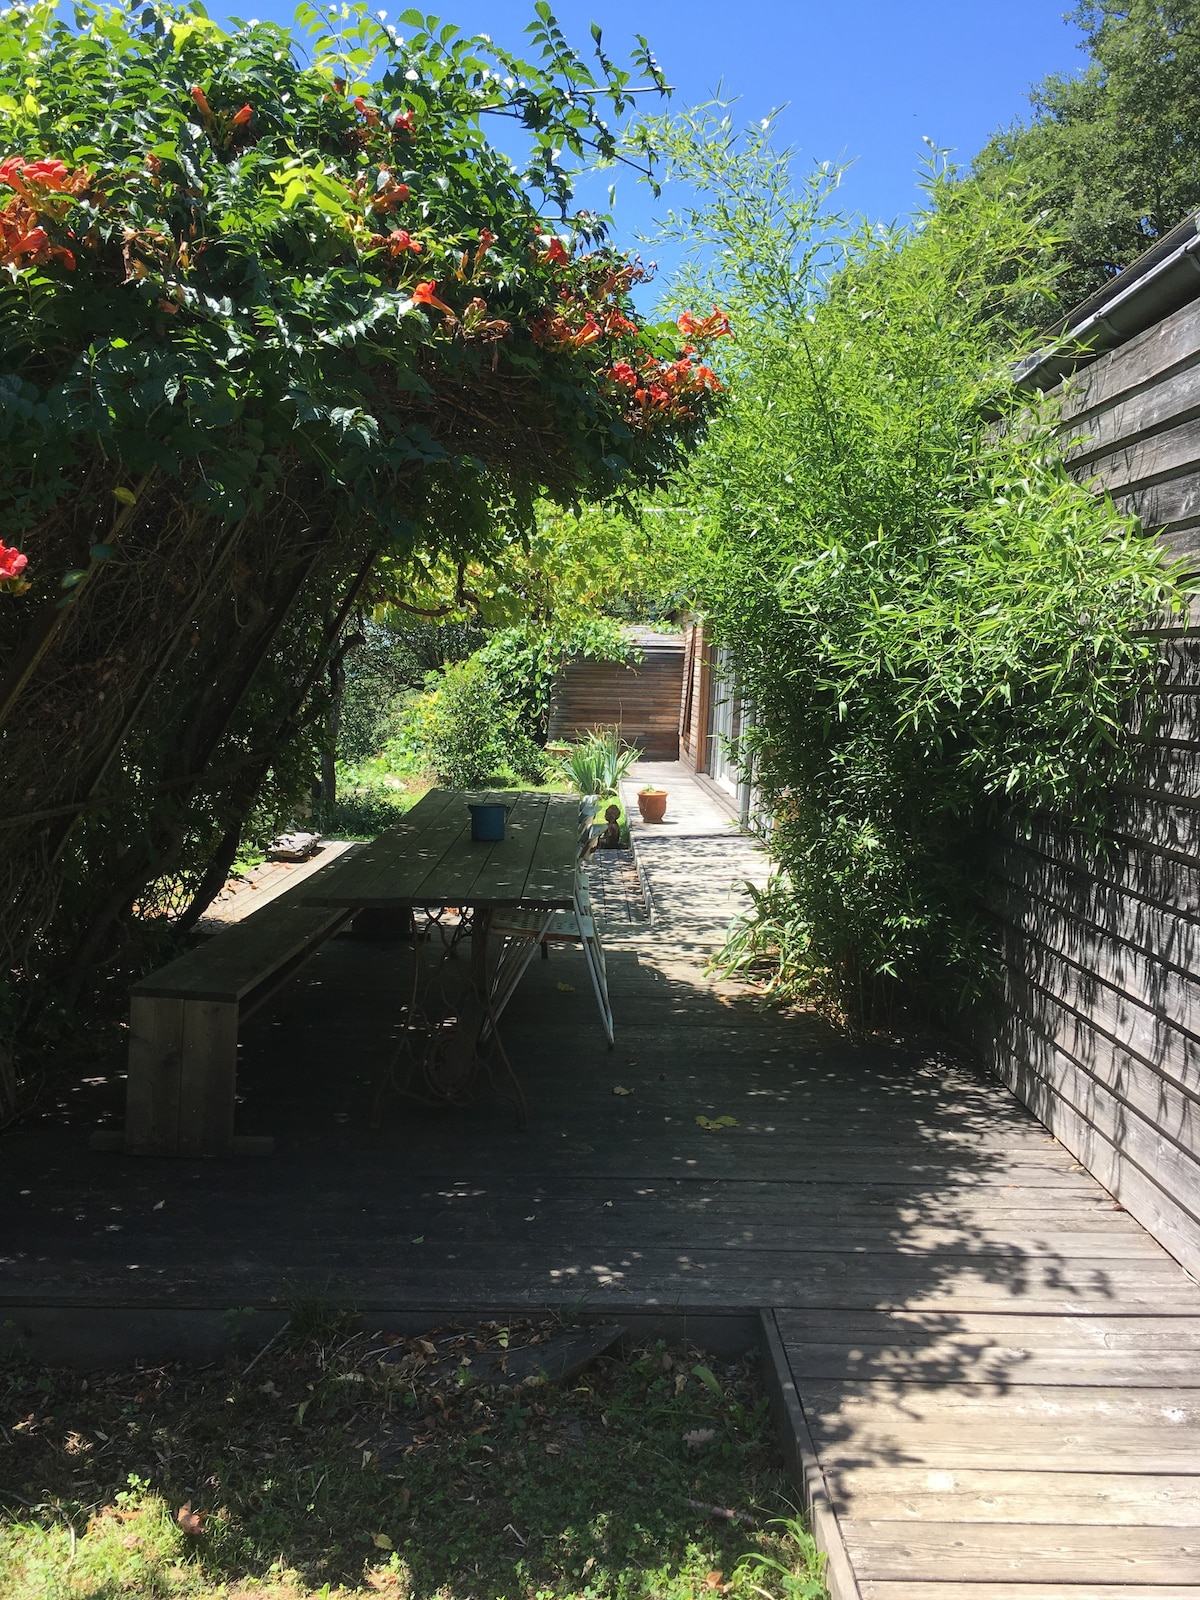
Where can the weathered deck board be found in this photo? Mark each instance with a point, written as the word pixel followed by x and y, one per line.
pixel 872 1590
pixel 1084 1500
pixel 991 1360
pixel 954 1551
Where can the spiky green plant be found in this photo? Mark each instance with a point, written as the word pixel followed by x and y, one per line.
pixel 599 762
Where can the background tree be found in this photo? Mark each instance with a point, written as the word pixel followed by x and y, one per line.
pixel 1113 154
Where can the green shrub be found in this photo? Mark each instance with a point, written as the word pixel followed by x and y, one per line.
pixel 524 662
pixel 362 812
pixel 469 733
pixel 933 623
pixel 484 718
pixel 396 656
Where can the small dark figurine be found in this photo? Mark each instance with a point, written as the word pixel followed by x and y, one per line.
pixel 610 839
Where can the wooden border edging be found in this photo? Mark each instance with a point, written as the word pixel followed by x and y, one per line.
pixel 804 1464
pixel 94 1336
pixel 642 876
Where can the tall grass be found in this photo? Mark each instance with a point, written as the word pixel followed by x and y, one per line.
pixel 598 763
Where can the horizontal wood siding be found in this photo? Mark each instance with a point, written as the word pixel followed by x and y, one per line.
pixel 1132 420
pixel 1098 1025
pixel 641 700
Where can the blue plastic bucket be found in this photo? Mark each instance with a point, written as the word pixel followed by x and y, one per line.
pixel 487 821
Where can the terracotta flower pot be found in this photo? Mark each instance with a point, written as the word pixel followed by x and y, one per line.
pixel 652 803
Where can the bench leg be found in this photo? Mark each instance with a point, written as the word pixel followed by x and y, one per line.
pixel 182 1076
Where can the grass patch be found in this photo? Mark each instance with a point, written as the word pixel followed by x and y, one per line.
pixel 346 1464
pixel 372 796
pixel 365 813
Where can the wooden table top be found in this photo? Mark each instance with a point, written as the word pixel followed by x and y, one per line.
pixel 430 859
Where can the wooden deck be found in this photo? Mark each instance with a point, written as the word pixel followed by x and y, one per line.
pixel 994 1372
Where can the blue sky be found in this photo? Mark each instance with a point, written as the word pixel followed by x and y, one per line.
pixel 862 81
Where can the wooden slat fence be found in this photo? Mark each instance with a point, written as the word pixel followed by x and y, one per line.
pixel 641 699
pixel 693 710
pixel 1099 1026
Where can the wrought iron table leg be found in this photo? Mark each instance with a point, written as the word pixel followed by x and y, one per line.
pixel 446 1053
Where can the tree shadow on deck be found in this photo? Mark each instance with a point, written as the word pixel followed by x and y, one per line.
pixel 853 1179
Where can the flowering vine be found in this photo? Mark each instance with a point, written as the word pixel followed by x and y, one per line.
pixel 43 194
pixel 590 310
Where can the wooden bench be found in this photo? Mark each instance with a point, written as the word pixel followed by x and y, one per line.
pixel 184 1020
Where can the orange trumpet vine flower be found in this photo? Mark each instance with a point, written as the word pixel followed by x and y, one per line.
pixel 588 334
pixel 400 240
pixel 714 327
pixel 425 294
pixel 16 172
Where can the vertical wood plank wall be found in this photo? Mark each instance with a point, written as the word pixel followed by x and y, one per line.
pixel 1099 1027
pixel 693 711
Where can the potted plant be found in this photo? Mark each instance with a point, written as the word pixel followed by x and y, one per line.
pixel 652 803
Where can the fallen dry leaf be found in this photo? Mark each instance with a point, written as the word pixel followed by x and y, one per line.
pixel 567 988
pixel 715 1123
pixel 617 1089
pixel 192 1522
pixel 383 1578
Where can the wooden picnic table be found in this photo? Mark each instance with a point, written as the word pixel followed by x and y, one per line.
pixel 428 865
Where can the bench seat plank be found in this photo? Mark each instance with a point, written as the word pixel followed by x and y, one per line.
pixel 236 960
pixel 240 957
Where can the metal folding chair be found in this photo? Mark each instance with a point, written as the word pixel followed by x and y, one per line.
pixel 525 932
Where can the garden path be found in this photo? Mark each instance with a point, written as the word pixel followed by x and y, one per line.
pixel 989 1371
